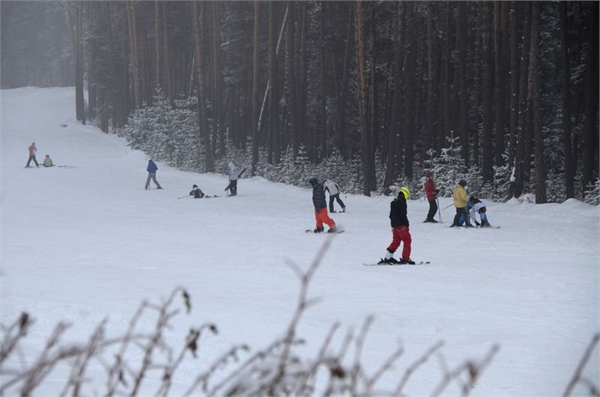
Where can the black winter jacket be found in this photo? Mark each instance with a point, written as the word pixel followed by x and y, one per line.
pixel 319 197
pixel 197 193
pixel 398 212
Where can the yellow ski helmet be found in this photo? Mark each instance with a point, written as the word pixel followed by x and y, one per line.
pixel 404 190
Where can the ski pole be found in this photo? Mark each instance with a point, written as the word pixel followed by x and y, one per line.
pixel 183 197
pixel 448 206
pixel 439 210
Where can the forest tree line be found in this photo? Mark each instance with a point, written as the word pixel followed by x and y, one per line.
pixel 510 87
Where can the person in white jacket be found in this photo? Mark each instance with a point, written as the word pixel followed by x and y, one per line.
pixel 233 177
pixel 475 207
pixel 334 194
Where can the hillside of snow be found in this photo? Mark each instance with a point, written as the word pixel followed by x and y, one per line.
pixel 87 242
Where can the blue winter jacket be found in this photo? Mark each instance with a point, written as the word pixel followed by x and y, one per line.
pixel 151 166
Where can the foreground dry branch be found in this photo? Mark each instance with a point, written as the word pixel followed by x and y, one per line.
pixel 124 366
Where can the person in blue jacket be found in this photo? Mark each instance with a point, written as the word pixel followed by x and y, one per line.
pixel 152 168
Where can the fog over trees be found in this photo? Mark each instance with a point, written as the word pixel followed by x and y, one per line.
pixel 372 93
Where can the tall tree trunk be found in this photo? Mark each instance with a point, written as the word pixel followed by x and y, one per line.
pixel 568 162
pixel 514 86
pixel 590 157
pixel 157 42
pixel 540 161
pixel 290 84
pixel 487 96
pixel 167 54
pixel 76 26
pixel 396 106
pixel 463 93
pixel 254 118
pixel 501 9
pixel 272 69
pixel 303 75
pixel 204 133
pixel 135 58
pixel 522 161
pixel 367 160
pixel 217 79
pixel 321 138
pixel 343 88
pixel 431 121
pixel 91 74
pixel 410 96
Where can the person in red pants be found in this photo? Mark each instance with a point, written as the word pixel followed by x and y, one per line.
pixel 320 204
pixel 400 230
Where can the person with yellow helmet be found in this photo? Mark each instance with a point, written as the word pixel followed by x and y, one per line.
pixel 400 230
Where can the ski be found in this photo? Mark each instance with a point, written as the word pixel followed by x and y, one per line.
pixel 312 231
pixel 397 264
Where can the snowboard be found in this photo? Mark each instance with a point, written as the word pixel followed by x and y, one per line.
pixel 311 231
pixel 397 264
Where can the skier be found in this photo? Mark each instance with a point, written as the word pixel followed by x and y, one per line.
pixel 431 193
pixel 400 230
pixel 334 194
pixel 196 192
pixel 460 202
pixel 152 168
pixel 32 150
pixel 233 177
pixel 48 161
pixel 320 204
pixel 475 207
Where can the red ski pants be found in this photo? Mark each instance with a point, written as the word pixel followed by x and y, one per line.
pixel 321 217
pixel 401 235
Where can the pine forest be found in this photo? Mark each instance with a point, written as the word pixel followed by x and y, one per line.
pixel 373 94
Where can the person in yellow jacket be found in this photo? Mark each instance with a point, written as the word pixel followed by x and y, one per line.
pixel 460 202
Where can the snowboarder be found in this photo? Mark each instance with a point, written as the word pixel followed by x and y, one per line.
pixel 460 202
pixel 152 168
pixel 233 177
pixel 320 204
pixel 475 207
pixel 196 192
pixel 334 194
pixel 431 193
pixel 32 150
pixel 48 161
pixel 400 230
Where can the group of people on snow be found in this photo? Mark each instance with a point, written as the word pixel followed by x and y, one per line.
pixel 467 209
pixel 32 150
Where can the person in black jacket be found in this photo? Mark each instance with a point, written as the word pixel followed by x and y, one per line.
pixel 400 230
pixel 320 204
pixel 196 192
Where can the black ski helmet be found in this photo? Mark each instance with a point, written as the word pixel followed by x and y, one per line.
pixel 462 183
pixel 313 182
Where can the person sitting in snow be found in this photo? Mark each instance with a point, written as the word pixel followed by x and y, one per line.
pixel 334 194
pixel 320 204
pixel 475 207
pixel 196 192
pixel 400 230
pixel 48 161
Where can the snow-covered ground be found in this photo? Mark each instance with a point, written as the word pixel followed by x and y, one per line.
pixel 87 243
